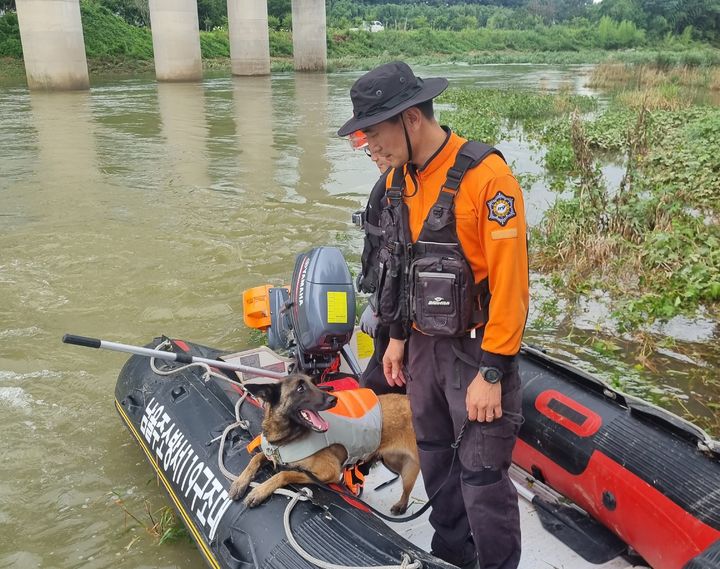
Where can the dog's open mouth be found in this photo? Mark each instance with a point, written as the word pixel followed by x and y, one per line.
pixel 314 420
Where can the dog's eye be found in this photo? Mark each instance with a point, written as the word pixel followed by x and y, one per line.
pixel 300 388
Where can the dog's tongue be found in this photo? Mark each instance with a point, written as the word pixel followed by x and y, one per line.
pixel 315 419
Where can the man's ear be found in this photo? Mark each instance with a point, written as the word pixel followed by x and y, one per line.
pixel 268 392
pixel 413 118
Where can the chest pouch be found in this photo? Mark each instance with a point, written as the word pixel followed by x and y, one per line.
pixel 444 299
pixel 442 289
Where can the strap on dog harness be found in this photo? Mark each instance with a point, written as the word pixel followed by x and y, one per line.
pixel 353 478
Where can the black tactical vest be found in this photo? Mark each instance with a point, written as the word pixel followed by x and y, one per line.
pixel 370 222
pixel 429 283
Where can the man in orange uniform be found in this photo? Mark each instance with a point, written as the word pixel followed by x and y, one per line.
pixel 453 284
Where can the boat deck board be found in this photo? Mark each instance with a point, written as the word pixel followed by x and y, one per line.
pixel 539 548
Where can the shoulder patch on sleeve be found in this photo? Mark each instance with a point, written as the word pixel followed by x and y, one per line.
pixel 501 208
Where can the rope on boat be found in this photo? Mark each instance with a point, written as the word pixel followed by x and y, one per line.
pixel 245 425
pixel 306 494
pixel 205 377
pixel 242 423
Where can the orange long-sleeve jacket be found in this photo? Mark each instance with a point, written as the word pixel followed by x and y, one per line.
pixel 490 221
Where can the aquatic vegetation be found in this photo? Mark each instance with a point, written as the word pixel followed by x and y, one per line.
pixel 163 524
pixel 481 114
pixel 653 242
pixel 612 75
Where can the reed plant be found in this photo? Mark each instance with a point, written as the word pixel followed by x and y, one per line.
pixel 162 524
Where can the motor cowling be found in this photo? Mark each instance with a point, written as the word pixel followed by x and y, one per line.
pixel 322 302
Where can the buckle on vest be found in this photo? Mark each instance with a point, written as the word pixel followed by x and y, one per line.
pixel 438 211
pixel 273 453
pixel 394 195
pixel 354 479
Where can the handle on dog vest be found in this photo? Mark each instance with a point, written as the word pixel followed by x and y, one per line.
pixel 252 445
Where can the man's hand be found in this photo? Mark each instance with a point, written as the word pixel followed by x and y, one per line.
pixel 392 362
pixel 369 322
pixel 483 400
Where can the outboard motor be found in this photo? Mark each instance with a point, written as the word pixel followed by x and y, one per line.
pixel 315 319
pixel 322 307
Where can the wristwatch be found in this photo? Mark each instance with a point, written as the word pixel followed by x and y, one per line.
pixel 491 374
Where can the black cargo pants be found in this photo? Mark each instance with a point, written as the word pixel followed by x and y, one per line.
pixel 476 511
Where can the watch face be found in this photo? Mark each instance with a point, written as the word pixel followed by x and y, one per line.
pixel 491 375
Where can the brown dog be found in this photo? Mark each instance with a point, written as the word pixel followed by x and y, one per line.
pixel 291 407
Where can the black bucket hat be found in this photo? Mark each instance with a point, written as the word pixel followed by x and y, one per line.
pixel 385 92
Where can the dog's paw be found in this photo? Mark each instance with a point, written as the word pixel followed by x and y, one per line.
pixel 255 498
pixel 399 509
pixel 237 489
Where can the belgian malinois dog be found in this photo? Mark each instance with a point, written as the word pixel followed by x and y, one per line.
pixel 291 411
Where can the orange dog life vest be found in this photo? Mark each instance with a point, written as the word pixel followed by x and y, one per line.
pixel 355 423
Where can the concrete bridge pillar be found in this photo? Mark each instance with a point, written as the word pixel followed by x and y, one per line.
pixel 53 45
pixel 309 35
pixel 249 42
pixel 176 40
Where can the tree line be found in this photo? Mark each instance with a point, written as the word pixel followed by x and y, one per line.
pixel 700 19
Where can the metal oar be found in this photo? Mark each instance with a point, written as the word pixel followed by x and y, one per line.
pixel 171 356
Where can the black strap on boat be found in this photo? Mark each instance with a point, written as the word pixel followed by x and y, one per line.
pixel 372 229
pixel 380 514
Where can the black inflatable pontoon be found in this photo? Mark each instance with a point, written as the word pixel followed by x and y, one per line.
pixel 178 420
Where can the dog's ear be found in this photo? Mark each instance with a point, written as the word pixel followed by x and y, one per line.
pixel 268 392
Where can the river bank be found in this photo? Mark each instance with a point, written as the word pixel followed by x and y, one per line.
pixel 12 69
pixel 116 47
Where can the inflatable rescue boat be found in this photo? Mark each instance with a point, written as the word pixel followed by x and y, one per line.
pixel 650 478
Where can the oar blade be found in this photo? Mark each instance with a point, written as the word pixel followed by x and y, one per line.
pixel 581 533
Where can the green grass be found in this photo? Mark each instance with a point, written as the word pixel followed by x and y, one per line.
pixel 107 35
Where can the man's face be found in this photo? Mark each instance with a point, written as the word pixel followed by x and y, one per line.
pixel 380 161
pixel 386 140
